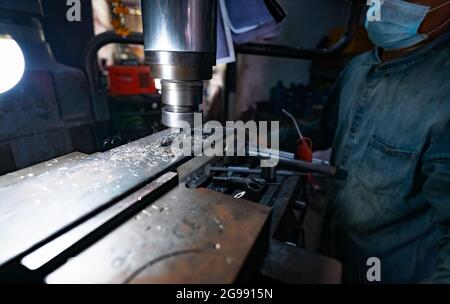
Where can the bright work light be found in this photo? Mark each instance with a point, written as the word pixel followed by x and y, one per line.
pixel 12 63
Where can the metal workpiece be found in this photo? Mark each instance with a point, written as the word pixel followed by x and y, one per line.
pixel 13 178
pixel 187 236
pixel 41 204
pixel 180 39
pixel 56 252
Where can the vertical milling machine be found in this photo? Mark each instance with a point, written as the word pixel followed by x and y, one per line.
pixel 180 45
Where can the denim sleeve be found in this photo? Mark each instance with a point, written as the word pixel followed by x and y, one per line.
pixel 436 167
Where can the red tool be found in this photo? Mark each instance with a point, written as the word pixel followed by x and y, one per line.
pixel 304 145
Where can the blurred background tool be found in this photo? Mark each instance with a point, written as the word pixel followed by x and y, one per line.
pixel 126 80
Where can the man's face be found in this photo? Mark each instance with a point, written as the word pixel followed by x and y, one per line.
pixel 431 3
pixel 429 20
pixel 434 18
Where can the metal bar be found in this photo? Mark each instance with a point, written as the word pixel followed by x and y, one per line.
pixel 69 244
pixel 303 165
pixel 187 236
pixel 42 207
pixel 286 195
pixel 297 164
pixel 14 177
pixel 247 170
pixel 269 195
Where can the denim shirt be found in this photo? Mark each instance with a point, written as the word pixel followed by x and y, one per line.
pixel 392 137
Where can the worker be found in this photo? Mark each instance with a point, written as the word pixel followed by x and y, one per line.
pixel 388 122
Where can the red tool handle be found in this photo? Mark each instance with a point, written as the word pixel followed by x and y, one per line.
pixel 304 150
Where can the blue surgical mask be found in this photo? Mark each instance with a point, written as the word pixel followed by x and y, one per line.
pixel 399 25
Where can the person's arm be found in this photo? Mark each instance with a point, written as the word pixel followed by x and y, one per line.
pixel 436 166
